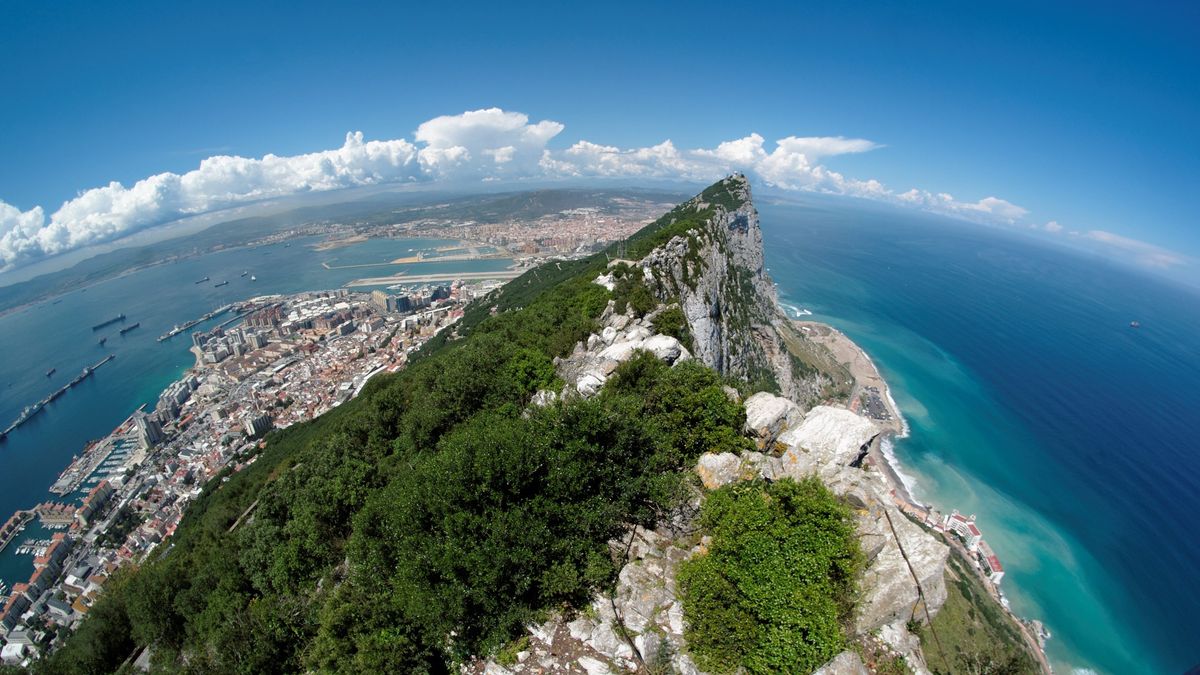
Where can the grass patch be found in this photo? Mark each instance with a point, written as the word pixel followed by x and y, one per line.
pixel 776 589
pixel 976 634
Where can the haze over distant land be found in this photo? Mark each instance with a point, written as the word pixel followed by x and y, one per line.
pixel 493 147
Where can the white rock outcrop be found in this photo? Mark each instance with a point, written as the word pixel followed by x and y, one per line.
pixel 846 663
pixel 828 439
pixel 767 415
pixel 666 348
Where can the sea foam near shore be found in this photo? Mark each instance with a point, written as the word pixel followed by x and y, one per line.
pixel 794 312
pixel 888 448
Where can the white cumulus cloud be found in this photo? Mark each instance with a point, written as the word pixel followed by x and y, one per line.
pixel 1144 252
pixel 480 145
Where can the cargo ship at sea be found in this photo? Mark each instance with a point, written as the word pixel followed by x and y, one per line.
pixel 202 280
pixel 51 372
pixel 220 284
pixel 115 319
pixel 129 328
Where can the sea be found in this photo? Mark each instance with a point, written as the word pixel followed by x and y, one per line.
pixel 1030 400
pixel 57 333
pixel 1033 404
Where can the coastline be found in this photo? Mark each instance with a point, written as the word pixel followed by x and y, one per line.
pixel 867 378
pixel 866 374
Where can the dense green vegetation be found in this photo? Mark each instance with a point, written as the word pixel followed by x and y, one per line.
pixel 776 588
pixel 125 522
pixel 430 517
pixel 974 634
pixel 672 321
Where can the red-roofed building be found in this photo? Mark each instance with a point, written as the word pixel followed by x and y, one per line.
pixel 965 528
pixel 990 563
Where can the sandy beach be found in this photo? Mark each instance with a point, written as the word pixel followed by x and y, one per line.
pixel 868 384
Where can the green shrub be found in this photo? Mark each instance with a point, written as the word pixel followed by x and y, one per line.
pixel 672 321
pixel 777 585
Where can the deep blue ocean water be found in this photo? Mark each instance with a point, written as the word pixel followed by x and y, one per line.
pixel 1035 405
pixel 59 335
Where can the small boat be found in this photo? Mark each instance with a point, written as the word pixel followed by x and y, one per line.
pixel 203 280
pixel 253 278
pixel 103 340
pixel 51 372
pixel 245 273
pixel 1135 324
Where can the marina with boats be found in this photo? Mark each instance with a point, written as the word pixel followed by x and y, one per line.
pixel 104 459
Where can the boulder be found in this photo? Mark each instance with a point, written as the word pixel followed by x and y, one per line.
pixel 716 470
pixel 544 397
pixel 768 415
pixel 621 351
pixel 846 663
pixel 589 383
pixel 606 280
pixel 637 332
pixel 664 347
pixel 834 436
pixel 594 666
pixel 763 465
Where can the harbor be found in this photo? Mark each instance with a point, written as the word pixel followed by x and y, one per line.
pixel 104 459
pixel 13 527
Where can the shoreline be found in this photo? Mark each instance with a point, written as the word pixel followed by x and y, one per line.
pixel 866 374
pixel 868 382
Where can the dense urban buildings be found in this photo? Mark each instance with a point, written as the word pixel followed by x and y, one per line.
pixel 288 359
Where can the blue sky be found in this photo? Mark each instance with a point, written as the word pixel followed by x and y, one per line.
pixel 1080 113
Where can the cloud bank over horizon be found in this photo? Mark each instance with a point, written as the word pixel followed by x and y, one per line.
pixel 481 145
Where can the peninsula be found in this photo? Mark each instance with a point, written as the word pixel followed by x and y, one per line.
pixel 580 470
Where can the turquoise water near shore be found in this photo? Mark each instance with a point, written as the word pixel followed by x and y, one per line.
pixel 1034 404
pixel 59 335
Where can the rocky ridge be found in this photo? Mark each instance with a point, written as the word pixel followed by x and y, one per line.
pixel 640 626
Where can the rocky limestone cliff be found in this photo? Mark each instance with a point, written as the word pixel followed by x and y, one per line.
pixel 714 270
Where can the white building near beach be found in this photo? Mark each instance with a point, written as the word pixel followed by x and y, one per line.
pixel 965 528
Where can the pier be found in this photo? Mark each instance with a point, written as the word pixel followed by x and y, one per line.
pixel 14 526
pixel 33 409
pixel 194 322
